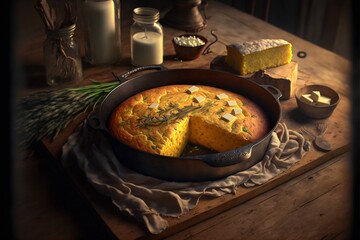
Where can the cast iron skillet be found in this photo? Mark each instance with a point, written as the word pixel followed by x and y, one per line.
pixel 190 168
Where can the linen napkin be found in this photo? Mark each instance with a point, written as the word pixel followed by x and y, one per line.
pixel 149 199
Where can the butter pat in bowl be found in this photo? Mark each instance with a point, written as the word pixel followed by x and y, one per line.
pixel 317 101
pixel 189 46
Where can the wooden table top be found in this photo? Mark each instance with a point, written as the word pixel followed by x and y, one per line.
pixel 312 201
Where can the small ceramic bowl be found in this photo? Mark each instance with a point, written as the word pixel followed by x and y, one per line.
pixel 314 110
pixel 188 53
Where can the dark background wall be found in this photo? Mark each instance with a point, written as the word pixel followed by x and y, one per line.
pixel 326 23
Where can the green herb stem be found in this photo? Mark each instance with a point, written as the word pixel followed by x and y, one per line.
pixel 45 114
pixel 172 113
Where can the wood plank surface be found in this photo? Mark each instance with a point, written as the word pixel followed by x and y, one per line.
pixel 262 217
pixel 212 216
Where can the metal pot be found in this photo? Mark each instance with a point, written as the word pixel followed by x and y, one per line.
pixel 188 168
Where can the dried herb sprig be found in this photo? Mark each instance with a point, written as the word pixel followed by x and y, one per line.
pixel 172 113
pixel 44 114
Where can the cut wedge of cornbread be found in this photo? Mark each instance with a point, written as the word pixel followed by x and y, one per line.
pixel 163 120
pixel 252 56
pixel 205 133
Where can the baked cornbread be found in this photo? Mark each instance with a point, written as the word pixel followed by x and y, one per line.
pixel 163 120
pixel 252 56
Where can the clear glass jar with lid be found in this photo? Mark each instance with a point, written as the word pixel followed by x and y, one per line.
pixel 62 58
pixel 102 32
pixel 146 37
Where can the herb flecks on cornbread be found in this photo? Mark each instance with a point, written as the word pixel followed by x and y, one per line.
pixel 179 118
pixel 252 56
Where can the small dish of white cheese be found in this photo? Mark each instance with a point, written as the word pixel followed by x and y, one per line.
pixel 189 46
pixel 189 41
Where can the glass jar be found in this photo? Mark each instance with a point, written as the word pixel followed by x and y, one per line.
pixel 146 37
pixel 62 58
pixel 101 20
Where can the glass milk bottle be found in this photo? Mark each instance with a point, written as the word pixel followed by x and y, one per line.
pixel 146 37
pixel 101 20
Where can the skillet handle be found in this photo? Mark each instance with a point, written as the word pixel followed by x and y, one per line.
pixel 93 120
pixel 273 90
pixel 123 77
pixel 229 158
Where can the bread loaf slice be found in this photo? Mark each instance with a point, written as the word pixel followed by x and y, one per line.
pixel 252 56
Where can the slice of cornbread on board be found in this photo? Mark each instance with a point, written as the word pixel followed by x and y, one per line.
pixel 252 56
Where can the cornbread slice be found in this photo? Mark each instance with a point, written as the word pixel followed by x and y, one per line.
pixel 179 118
pixel 252 56
pixel 205 133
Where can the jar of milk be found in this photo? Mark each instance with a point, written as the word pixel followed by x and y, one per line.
pixel 146 37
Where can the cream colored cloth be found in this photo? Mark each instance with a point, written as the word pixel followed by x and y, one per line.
pixel 149 199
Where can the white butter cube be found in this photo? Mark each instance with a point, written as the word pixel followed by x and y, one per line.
pixel 199 99
pixel 323 101
pixel 221 96
pixel 231 103
pixel 153 105
pixel 192 89
pixel 228 117
pixel 315 95
pixel 307 98
pixel 236 111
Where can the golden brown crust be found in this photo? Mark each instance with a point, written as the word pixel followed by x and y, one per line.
pixel 151 129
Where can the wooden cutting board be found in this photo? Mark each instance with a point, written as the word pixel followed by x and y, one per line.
pixel 283 77
pixel 338 134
